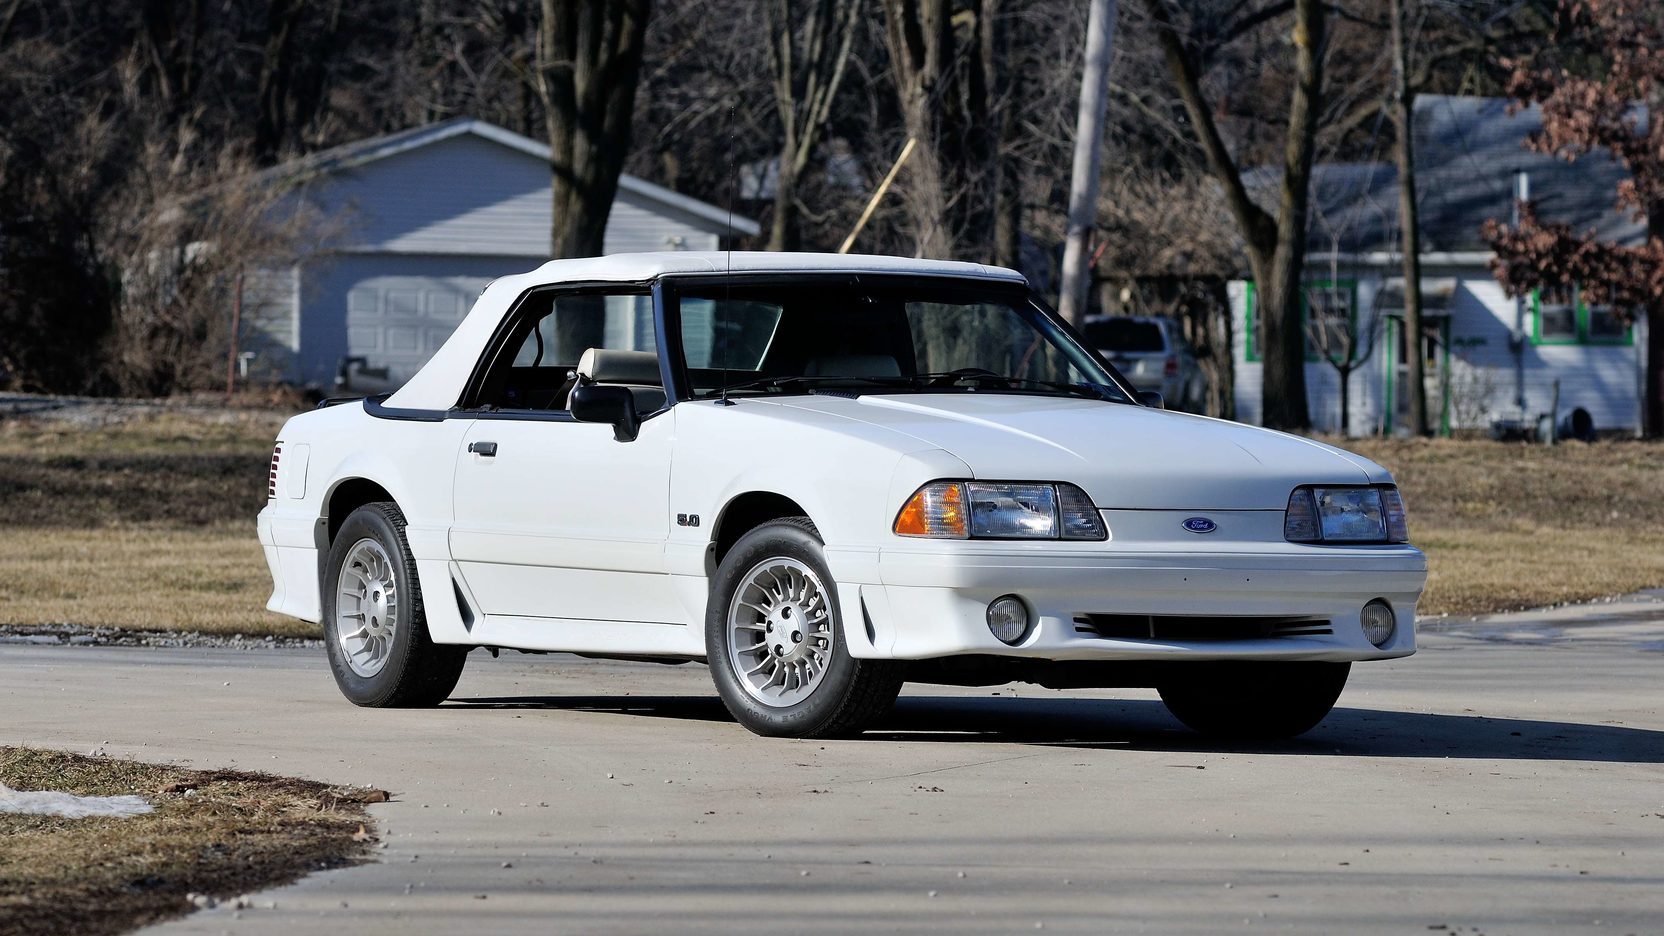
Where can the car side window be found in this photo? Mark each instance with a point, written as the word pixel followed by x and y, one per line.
pixel 537 366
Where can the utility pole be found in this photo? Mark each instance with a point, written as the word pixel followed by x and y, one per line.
pixel 236 331
pixel 1409 222
pixel 1089 150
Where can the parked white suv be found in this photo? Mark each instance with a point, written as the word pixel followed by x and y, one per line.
pixel 1152 354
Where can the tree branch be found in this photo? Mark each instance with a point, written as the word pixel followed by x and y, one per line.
pixel 1258 227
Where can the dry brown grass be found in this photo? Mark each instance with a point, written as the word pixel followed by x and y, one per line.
pixel 210 579
pixel 217 833
pixel 1509 525
pixel 138 517
pixel 144 430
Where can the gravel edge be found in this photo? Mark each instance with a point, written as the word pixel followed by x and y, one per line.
pixel 58 635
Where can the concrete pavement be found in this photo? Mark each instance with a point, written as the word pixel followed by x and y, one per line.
pixel 1507 779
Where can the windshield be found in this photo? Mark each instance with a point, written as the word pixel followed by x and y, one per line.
pixel 878 336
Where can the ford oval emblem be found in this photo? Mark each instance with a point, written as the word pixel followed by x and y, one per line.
pixel 1200 525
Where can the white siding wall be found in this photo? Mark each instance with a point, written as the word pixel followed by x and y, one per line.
pixel 271 321
pixel 1603 379
pixel 468 195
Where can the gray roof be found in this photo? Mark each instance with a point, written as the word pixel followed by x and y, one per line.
pixel 369 150
pixel 1467 150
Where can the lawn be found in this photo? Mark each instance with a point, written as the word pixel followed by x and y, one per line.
pixel 145 519
pixel 138 517
pixel 213 835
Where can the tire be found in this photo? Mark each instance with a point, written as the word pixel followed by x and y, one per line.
pixel 396 667
pixel 768 584
pixel 1253 700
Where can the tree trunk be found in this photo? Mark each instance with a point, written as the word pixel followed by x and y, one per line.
pixel 947 99
pixel 1088 162
pixel 1284 401
pixel 589 55
pixel 1409 223
pixel 1653 399
pixel 1006 79
pixel 1276 246
pixel 1222 352
pixel 1283 353
pixel 784 231
pixel 1345 421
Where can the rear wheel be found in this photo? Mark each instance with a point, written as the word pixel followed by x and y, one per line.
pixel 1253 700
pixel 374 628
pixel 775 643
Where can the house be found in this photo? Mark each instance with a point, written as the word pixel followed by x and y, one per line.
pixel 1489 357
pixel 431 215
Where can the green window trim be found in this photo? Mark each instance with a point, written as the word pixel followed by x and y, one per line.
pixel 1581 335
pixel 1251 353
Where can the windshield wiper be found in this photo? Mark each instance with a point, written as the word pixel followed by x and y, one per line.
pixel 926 381
pixel 781 382
pixel 949 378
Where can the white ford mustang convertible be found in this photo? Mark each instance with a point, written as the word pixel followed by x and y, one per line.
pixel 823 476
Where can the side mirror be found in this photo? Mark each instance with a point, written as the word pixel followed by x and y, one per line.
pixel 613 405
pixel 1152 399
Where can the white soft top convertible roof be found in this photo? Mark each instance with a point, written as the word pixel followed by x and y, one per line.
pixel 439 383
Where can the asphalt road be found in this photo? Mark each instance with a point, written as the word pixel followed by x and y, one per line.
pixel 1507 779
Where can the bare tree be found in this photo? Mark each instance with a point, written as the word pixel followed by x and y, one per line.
pixel 589 60
pixel 1344 342
pixel 808 47
pixel 944 56
pixel 190 229
pixel 1276 243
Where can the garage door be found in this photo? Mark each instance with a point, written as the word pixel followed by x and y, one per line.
pixel 396 322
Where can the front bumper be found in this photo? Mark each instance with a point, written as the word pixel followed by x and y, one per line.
pixel 933 597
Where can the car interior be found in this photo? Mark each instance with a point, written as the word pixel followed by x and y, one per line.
pixel 558 344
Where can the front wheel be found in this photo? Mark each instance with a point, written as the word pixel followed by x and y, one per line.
pixel 774 639
pixel 1253 700
pixel 374 628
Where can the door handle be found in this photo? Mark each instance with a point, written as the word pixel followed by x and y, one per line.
pixel 483 449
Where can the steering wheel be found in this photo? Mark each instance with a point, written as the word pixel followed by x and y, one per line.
pixel 964 373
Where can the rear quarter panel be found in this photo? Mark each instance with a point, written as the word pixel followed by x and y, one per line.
pixel 413 461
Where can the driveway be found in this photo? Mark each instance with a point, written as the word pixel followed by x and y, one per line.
pixel 1507 779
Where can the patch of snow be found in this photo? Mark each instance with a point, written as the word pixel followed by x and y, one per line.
pixel 68 805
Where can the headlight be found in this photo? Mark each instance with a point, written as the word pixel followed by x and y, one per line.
pixel 999 510
pixel 1346 515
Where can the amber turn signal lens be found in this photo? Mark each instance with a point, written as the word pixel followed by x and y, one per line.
pixel 936 509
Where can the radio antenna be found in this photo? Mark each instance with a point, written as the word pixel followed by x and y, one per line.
pixel 728 279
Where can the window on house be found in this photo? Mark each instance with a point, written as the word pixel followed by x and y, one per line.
pixel 1605 324
pixel 1561 316
pixel 1556 315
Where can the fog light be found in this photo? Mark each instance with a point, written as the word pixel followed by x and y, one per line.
pixel 1379 622
pixel 1008 619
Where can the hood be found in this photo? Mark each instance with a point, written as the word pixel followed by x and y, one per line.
pixel 1125 457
